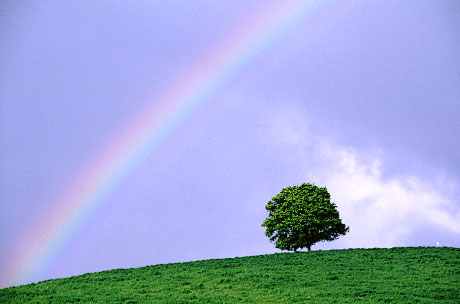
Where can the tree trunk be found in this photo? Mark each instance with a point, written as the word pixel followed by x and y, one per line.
pixel 309 248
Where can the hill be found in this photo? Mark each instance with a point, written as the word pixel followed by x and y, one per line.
pixel 396 275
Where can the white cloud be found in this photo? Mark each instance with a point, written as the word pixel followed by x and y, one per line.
pixel 381 211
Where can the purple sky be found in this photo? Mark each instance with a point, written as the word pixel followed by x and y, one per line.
pixel 366 102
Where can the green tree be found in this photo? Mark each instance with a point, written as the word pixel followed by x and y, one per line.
pixel 300 216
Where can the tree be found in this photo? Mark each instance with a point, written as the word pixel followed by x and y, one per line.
pixel 300 216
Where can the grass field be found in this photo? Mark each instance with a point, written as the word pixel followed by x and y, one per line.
pixel 396 275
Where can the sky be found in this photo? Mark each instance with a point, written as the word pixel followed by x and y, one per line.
pixel 150 132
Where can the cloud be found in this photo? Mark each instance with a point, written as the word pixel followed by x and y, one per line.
pixel 382 210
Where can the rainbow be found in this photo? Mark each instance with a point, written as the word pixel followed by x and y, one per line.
pixel 151 128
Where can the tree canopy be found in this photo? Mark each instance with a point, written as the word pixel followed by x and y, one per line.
pixel 300 216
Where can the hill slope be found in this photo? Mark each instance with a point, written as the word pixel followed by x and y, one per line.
pixel 397 275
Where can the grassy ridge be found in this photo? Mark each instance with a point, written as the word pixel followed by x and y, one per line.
pixel 397 275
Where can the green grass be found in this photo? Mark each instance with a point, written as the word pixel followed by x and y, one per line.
pixel 397 275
